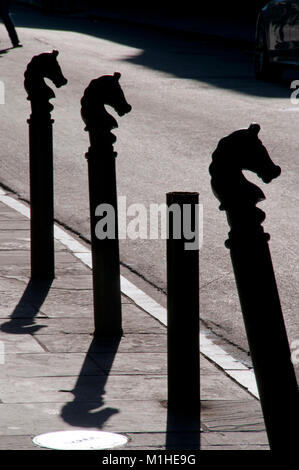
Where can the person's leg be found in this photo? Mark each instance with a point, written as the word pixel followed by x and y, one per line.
pixel 4 12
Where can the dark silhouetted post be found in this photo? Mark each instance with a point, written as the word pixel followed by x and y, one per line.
pixel 41 161
pixel 103 91
pixel 255 279
pixel 183 302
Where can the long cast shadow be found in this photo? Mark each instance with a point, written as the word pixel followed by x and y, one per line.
pixel 23 317
pixel 89 389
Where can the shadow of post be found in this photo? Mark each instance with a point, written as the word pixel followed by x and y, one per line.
pixel 23 317
pixel 89 390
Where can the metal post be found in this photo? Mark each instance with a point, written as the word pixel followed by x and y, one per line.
pixel 255 279
pixel 41 161
pixel 267 340
pixel 105 252
pixel 103 198
pixel 183 303
pixel 41 198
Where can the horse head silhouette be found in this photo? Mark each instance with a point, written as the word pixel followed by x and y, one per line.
pixel 103 91
pixel 241 150
pixel 43 66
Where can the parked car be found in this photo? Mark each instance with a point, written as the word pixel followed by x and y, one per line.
pixel 277 38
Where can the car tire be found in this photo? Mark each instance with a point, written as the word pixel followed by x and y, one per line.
pixel 263 69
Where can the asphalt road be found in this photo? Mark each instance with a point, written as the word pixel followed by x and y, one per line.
pixel 186 95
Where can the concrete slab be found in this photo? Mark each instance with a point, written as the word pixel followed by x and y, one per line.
pixel 13 262
pixel 219 387
pixel 13 344
pixel 18 443
pixel 164 441
pixel 10 313
pixel 15 223
pixel 71 281
pixel 116 416
pixel 85 388
pixel 64 302
pixel 11 239
pixel 234 440
pixel 132 363
pixel 8 214
pixel 82 343
pixel 51 326
pixel 232 415
pixel 213 387
pixel 128 416
pixel 136 320
pixel 48 365
pixel 31 419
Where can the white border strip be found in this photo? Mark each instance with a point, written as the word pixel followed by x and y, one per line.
pixel 233 368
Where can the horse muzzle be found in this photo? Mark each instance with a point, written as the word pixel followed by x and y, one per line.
pixel 271 175
pixel 61 82
pixel 125 109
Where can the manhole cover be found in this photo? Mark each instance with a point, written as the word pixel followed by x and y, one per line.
pixel 80 440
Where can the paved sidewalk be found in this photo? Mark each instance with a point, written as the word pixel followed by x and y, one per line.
pixel 55 377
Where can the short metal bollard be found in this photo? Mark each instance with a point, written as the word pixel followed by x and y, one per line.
pixel 255 279
pixel 103 200
pixel 41 162
pixel 183 303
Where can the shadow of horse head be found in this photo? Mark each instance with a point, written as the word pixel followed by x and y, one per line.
pixel 241 150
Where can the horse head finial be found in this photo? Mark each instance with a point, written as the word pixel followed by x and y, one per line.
pixel 241 150
pixel 43 66
pixel 100 92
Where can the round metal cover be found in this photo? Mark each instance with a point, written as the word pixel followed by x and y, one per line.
pixel 80 440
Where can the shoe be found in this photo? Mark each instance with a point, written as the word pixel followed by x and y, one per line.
pixel 17 44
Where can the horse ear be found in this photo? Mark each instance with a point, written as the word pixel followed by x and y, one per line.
pixel 55 52
pixel 117 75
pixel 254 129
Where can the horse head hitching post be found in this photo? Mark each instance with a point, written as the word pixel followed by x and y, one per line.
pixel 42 66
pixel 102 91
pixel 255 279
